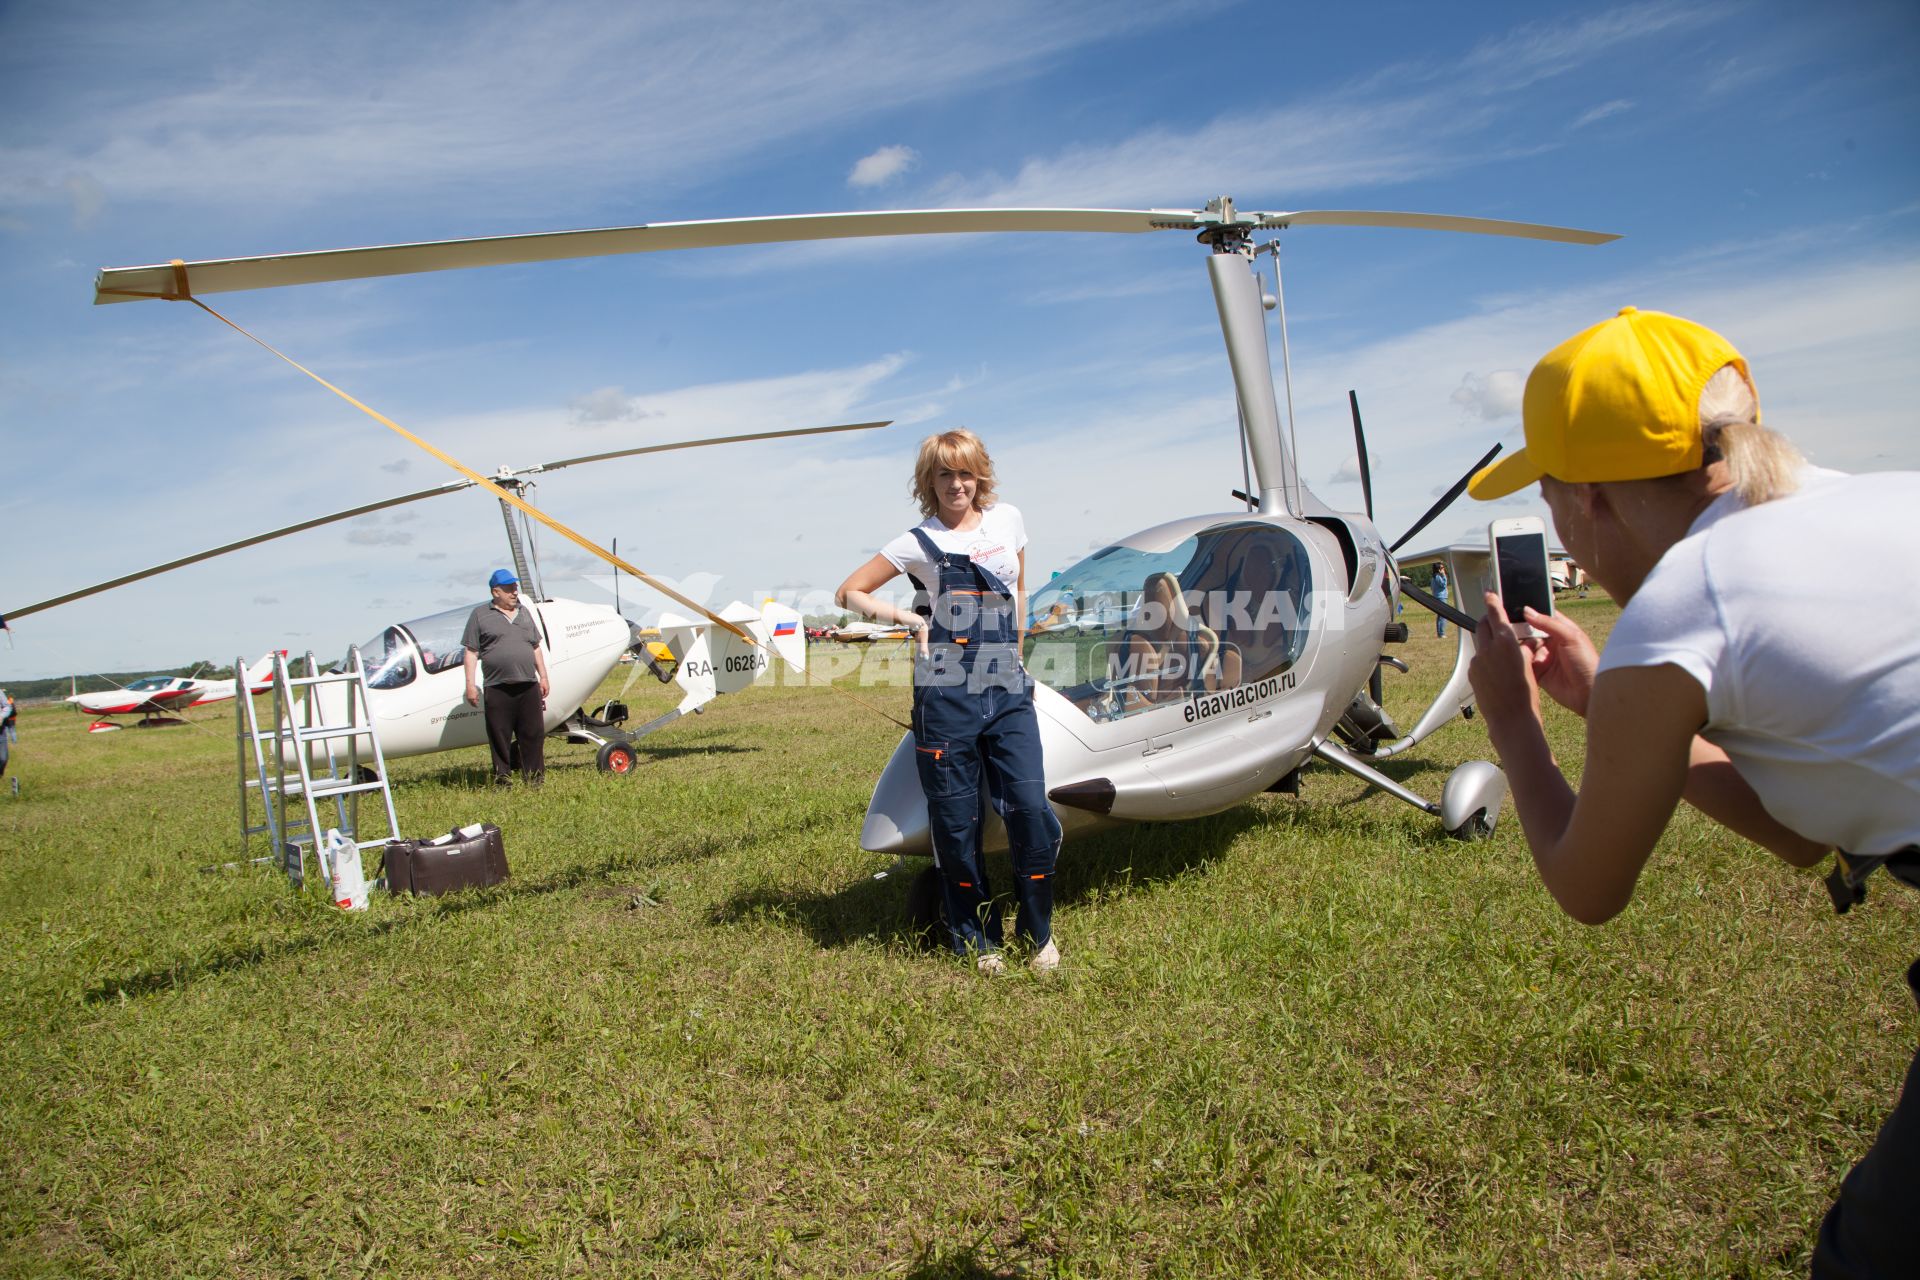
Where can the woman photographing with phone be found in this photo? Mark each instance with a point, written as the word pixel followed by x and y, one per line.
pixel 1760 669
pixel 973 717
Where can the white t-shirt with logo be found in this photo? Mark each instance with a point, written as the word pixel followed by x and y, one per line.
pixel 1800 620
pixel 995 545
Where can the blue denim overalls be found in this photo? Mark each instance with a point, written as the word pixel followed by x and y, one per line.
pixel 973 715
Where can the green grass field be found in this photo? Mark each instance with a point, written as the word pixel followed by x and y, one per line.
pixel 1308 1037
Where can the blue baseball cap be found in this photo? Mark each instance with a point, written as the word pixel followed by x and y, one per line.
pixel 503 578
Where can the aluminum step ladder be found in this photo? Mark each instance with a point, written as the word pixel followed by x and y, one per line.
pixel 292 794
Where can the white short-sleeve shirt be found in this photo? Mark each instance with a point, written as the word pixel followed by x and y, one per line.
pixel 995 545
pixel 1800 620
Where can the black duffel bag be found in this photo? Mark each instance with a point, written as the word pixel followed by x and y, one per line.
pixel 466 858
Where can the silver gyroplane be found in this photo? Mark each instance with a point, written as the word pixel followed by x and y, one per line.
pixel 1181 669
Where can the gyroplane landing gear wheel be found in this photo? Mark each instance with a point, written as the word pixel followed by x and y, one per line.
pixel 616 757
pixel 1470 804
pixel 927 909
pixel 1476 827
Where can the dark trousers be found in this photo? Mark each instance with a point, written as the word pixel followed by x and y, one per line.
pixel 1873 1229
pixel 513 711
pixel 962 735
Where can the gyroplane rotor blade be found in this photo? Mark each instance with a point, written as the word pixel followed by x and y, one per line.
pixel 1430 222
pixel 225 275
pixel 452 486
pixel 694 444
pixel 1452 613
pixel 1446 500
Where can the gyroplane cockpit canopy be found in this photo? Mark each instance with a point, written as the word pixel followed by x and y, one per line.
pixel 390 659
pixel 1134 627
pixel 431 644
pixel 439 638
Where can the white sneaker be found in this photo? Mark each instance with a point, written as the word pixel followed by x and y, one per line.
pixel 1046 959
pixel 991 964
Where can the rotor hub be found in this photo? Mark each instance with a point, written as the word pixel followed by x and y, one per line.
pixel 1226 233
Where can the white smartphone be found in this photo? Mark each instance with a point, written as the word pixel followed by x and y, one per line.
pixel 1520 568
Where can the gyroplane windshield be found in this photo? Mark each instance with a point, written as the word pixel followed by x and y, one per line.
pixel 439 638
pixel 390 660
pixel 431 644
pixel 1130 628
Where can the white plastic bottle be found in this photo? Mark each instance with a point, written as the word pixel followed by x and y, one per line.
pixel 344 873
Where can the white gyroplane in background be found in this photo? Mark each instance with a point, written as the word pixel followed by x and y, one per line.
pixel 416 681
pixel 1181 669
pixel 865 633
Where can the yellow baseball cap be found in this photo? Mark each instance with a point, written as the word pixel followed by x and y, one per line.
pixel 1618 401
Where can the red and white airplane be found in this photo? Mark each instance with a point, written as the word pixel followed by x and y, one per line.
pixel 155 698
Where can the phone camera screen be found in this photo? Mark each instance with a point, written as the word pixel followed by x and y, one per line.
pixel 1523 575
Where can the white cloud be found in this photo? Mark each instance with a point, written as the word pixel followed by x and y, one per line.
pixel 1829 365
pixel 605 406
pixel 882 167
pixel 1394 127
pixel 1491 397
pixel 1348 472
pixel 1601 112
pixel 1528 54
pixel 88 198
pixel 498 90
pixel 367 531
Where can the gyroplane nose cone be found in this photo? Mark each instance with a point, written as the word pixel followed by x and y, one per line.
pixel 882 833
pixel 897 815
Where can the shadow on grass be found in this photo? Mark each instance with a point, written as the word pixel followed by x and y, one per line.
pixel 565 757
pixel 1408 771
pixel 665 751
pixel 874 909
pixel 331 928
pixel 963 1264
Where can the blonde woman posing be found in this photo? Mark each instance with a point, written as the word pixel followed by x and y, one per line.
pixel 973 717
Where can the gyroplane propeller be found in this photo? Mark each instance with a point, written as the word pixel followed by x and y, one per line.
pixel 415 669
pixel 1181 669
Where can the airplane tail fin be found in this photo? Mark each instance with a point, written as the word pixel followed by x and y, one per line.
pixel 693 660
pixel 259 676
pixel 712 661
pixel 785 634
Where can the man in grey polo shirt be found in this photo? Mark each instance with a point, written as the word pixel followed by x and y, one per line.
pixel 504 637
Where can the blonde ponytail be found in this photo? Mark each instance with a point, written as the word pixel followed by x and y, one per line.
pixel 1761 464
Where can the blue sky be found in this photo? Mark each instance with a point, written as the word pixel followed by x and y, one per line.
pixel 1762 162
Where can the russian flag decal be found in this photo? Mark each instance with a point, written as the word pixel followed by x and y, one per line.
pixel 782 629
